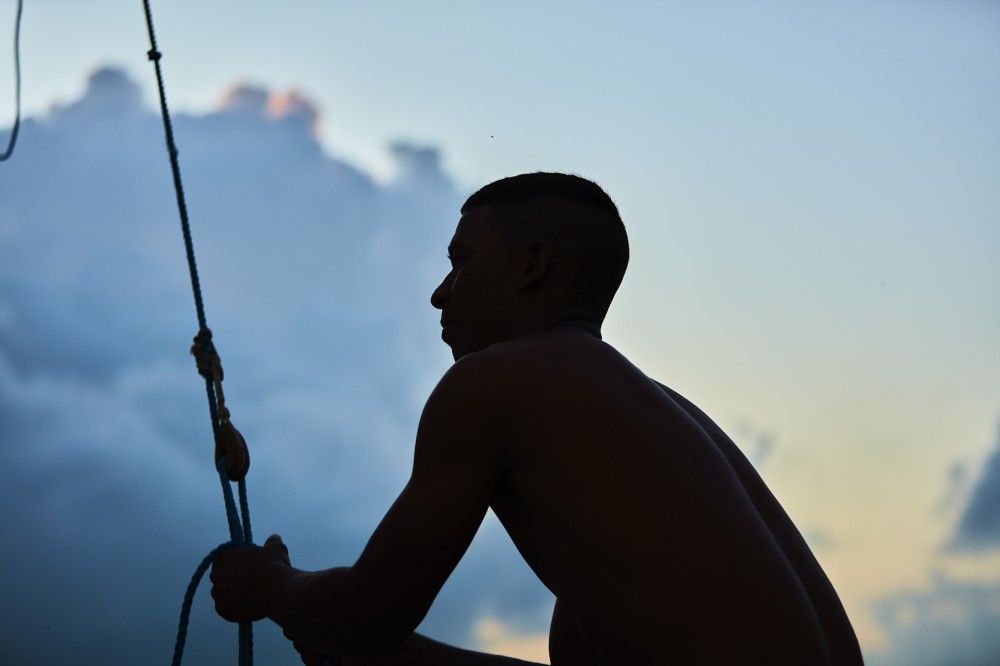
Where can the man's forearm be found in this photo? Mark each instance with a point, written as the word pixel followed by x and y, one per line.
pixel 319 610
pixel 419 650
pixel 299 602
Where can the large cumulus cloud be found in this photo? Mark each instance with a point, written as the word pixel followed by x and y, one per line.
pixel 316 281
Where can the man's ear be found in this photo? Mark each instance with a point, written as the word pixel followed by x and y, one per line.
pixel 536 262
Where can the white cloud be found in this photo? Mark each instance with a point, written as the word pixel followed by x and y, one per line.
pixel 316 281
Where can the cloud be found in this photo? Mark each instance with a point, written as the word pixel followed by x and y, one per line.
pixel 979 525
pixel 497 638
pixel 954 620
pixel 316 281
pixel 958 482
pixel 756 443
pixel 952 623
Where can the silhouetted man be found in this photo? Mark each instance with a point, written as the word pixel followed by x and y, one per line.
pixel 660 542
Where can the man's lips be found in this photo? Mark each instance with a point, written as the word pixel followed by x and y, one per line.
pixel 445 322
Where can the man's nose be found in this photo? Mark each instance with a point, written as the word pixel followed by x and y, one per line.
pixel 439 297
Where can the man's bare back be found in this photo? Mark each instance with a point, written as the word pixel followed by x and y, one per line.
pixel 656 535
pixel 636 519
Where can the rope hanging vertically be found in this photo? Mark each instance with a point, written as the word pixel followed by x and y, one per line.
pixel 239 519
pixel 5 155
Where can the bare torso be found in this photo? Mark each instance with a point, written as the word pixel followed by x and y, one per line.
pixel 657 537
pixel 655 534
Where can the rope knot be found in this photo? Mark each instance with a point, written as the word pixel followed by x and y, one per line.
pixel 229 443
pixel 154 55
pixel 206 357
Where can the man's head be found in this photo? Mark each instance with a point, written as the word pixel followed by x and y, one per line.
pixel 529 251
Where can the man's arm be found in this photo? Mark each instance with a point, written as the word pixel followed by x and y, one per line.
pixel 419 650
pixel 371 607
pixel 566 645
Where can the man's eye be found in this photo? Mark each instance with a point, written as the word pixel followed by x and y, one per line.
pixel 455 261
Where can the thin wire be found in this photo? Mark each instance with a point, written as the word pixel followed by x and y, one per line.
pixel 5 155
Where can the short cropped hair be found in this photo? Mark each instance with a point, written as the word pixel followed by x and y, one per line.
pixel 578 219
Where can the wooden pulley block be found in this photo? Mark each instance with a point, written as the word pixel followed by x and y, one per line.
pixel 230 443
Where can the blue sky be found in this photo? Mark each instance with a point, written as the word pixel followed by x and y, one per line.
pixel 810 191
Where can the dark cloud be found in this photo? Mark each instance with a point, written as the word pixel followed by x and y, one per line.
pixel 979 525
pixel 952 623
pixel 316 282
pixel 757 443
pixel 958 481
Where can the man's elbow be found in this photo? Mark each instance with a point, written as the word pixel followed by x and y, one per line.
pixel 382 631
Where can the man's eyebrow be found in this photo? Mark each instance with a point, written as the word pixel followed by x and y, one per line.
pixel 454 247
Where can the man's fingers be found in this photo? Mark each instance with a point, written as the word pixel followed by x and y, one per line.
pixel 274 541
pixel 310 657
pixel 234 575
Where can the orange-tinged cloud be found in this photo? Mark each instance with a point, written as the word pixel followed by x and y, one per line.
pixel 496 637
pixel 276 105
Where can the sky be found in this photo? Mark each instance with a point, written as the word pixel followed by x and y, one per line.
pixel 810 194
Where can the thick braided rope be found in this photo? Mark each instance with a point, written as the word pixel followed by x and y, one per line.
pixel 239 530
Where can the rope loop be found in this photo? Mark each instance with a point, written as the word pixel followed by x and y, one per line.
pixel 192 587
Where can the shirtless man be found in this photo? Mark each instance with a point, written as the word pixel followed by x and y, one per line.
pixel 660 542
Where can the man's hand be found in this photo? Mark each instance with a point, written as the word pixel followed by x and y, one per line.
pixel 312 658
pixel 240 578
pixel 416 650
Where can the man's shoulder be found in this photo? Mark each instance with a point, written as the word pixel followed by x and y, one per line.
pixel 478 396
pixel 501 355
pixel 537 348
pixel 535 357
pixel 505 370
pixel 476 378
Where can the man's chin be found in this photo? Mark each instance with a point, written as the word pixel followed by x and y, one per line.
pixel 461 351
pixel 458 350
pixel 455 352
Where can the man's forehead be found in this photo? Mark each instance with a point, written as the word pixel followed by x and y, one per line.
pixel 471 227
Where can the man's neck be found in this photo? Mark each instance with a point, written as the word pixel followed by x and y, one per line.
pixel 576 323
